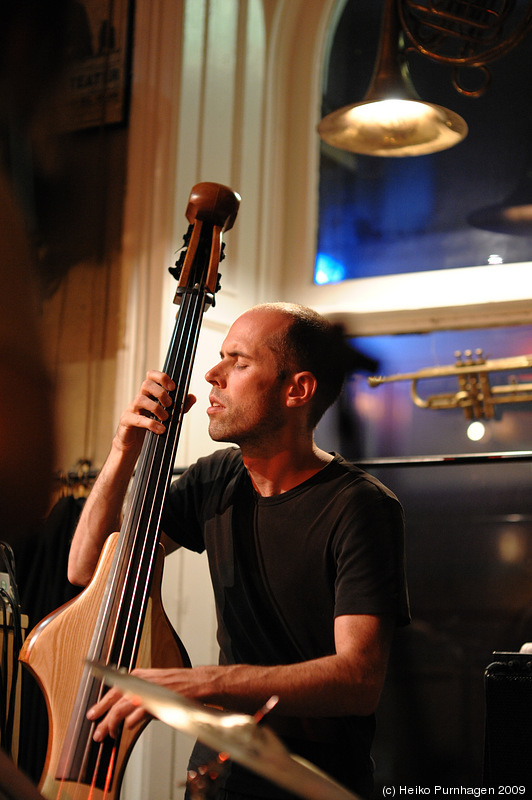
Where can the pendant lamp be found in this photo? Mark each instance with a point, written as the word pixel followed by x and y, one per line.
pixel 392 120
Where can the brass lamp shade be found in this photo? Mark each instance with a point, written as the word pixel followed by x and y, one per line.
pixel 392 120
pixel 392 127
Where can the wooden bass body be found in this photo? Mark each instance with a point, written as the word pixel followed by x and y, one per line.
pixel 59 640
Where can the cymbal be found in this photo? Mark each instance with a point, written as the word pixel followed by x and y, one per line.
pixel 251 745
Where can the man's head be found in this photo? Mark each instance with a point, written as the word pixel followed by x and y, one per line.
pixel 310 343
pixel 281 364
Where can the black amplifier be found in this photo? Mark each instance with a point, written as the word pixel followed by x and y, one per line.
pixel 508 733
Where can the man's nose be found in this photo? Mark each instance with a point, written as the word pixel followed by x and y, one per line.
pixel 213 375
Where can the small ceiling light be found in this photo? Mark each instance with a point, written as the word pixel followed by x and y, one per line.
pixel 392 120
pixel 476 431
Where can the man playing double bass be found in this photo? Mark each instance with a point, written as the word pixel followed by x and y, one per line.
pixel 306 550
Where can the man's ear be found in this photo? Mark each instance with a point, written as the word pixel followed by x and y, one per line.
pixel 301 388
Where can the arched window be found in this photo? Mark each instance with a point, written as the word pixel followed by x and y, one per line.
pixel 385 216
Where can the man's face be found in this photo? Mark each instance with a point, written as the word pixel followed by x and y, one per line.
pixel 247 394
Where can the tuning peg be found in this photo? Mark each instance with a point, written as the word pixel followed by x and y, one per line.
pixel 175 271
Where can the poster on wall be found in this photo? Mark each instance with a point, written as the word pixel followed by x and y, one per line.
pixel 97 82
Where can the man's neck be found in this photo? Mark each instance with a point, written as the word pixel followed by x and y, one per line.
pixel 281 470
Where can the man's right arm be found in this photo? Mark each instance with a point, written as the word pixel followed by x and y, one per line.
pixel 102 512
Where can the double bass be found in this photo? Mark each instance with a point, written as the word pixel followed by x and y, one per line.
pixel 119 619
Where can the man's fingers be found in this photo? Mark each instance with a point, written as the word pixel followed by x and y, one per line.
pixel 135 717
pixel 189 402
pixel 161 379
pixel 111 723
pixel 116 709
pixel 103 705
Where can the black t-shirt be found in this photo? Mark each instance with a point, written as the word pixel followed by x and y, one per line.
pixel 284 567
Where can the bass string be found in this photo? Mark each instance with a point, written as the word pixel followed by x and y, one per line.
pixel 180 360
pixel 179 367
pixel 192 304
pixel 136 511
pixel 139 513
pixel 96 653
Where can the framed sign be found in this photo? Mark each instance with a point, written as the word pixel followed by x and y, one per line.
pixel 97 82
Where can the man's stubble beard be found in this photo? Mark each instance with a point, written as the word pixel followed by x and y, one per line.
pixel 258 436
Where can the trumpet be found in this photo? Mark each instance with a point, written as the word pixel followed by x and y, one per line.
pixel 475 395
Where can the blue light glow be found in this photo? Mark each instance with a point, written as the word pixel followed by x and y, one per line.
pixel 328 270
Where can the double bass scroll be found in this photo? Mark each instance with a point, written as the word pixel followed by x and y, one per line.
pixel 119 618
